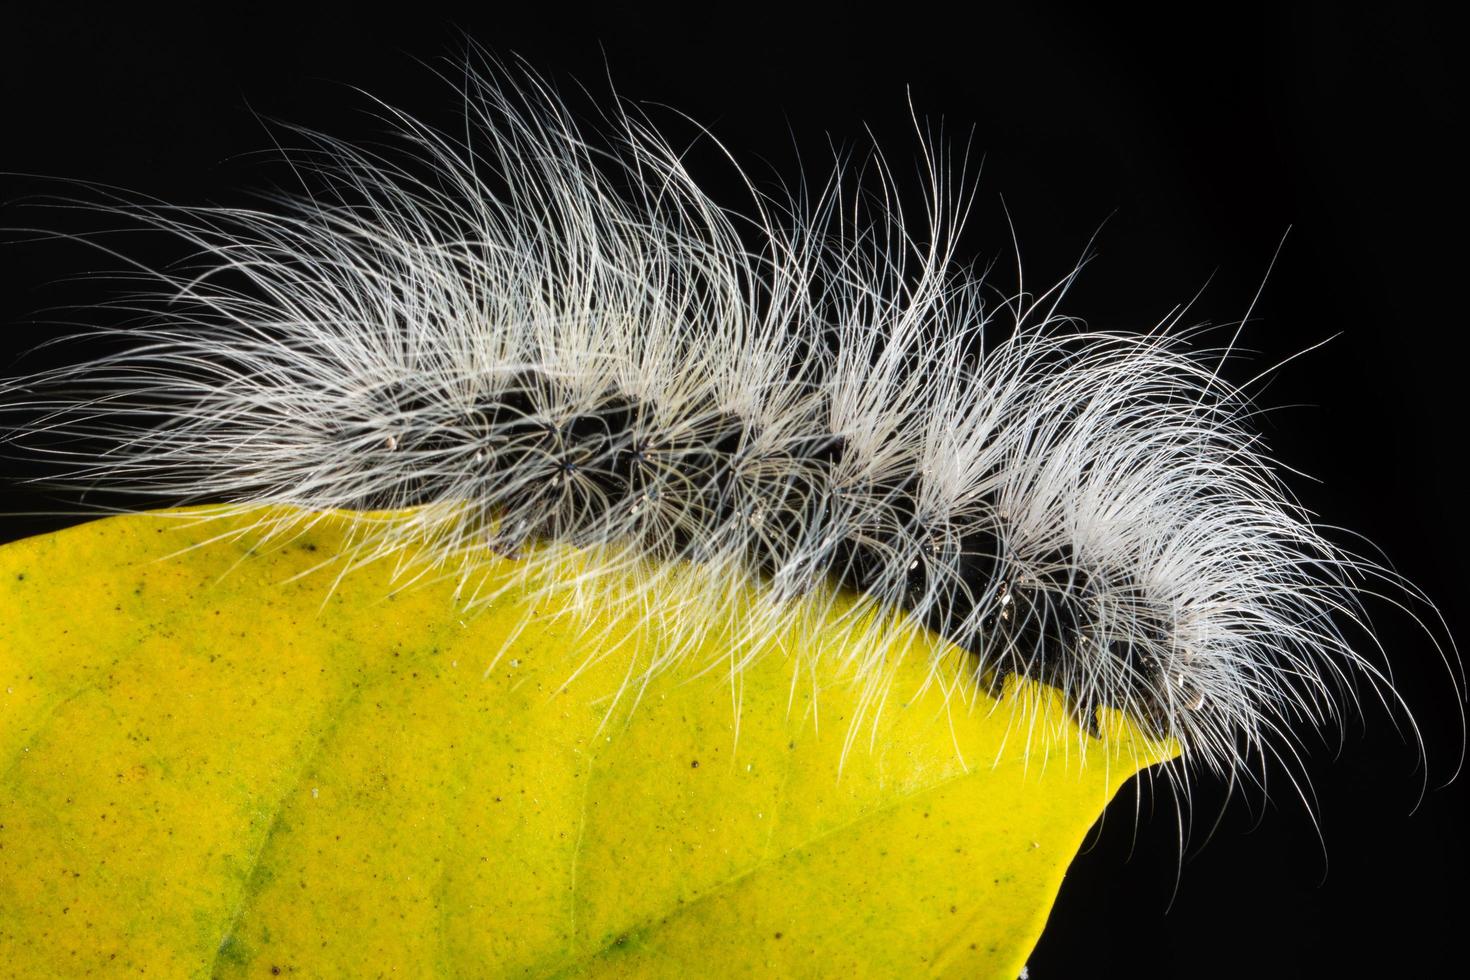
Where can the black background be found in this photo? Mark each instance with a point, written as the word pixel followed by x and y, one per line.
pixel 1198 141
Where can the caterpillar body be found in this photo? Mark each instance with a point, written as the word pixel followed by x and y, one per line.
pixel 537 332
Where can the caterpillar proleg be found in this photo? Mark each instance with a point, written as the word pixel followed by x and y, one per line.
pixel 544 331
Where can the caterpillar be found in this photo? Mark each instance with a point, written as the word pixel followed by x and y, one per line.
pixel 542 331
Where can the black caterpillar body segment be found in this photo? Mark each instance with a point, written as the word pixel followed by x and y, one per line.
pixel 582 473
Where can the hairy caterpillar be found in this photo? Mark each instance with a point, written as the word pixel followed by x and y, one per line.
pixel 534 333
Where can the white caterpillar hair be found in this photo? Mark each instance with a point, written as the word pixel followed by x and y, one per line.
pixel 532 332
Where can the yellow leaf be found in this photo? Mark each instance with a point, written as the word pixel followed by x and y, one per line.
pixel 216 765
